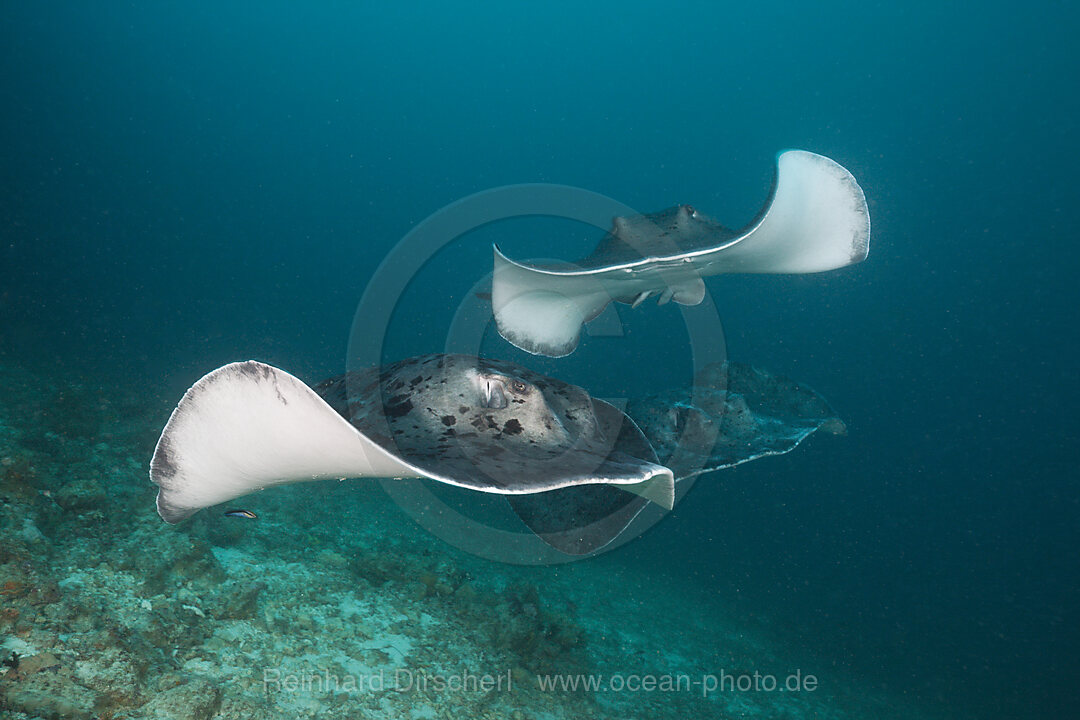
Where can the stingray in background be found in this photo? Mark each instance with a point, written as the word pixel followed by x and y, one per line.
pixel 734 413
pixel 575 469
pixel 816 219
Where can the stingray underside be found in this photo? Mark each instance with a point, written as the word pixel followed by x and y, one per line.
pixel 816 219
pixel 248 426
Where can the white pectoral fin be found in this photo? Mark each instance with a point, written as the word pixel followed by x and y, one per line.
pixel 817 220
pixel 248 426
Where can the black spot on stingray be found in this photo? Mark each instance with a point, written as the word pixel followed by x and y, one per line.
pixel 449 432
pixel 448 420
pixel 491 422
pixel 463 409
pixel 512 427
pixel 396 410
pixel 416 381
pixel 478 423
pixel 396 385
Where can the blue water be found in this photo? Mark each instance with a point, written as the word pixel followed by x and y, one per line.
pixel 184 185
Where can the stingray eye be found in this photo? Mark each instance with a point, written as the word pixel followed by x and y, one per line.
pixel 690 210
pixel 519 387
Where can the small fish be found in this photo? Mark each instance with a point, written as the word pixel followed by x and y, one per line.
pixel 241 513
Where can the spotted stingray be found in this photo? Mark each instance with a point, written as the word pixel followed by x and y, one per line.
pixel 574 468
pixel 816 219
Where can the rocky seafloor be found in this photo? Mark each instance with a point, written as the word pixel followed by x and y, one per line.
pixel 326 606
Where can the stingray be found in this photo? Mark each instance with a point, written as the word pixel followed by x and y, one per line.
pixel 478 424
pixel 816 219
pixel 575 469
pixel 733 414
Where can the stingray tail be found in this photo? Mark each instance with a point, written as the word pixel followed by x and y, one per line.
pixel 248 426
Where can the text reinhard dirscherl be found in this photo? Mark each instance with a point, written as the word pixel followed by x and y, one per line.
pixel 408 680
pixel 400 680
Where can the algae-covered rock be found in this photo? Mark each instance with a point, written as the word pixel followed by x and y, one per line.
pixel 51 696
pixel 112 672
pixel 233 707
pixel 168 557
pixel 465 594
pixel 30 533
pixel 36 663
pixel 237 602
pixel 82 493
pixel 416 590
pixel 542 639
pixel 379 569
pixel 196 699
pixel 19 478
pixel 169 625
pixel 329 558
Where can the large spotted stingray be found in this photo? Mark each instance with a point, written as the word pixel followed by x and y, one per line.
pixel 574 468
